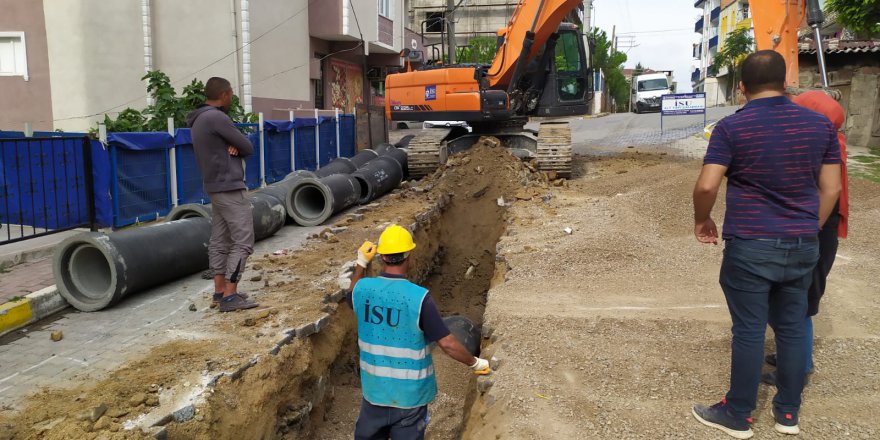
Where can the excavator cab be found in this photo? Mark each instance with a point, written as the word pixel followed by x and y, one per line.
pixel 568 88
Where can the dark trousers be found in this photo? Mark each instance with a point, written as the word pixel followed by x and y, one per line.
pixel 767 280
pixel 384 422
pixel 828 243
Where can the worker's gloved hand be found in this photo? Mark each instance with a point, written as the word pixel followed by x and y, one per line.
pixel 481 367
pixel 366 253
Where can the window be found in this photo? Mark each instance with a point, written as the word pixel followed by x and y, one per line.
pixel 13 56
pixel 319 93
pixel 435 22
pixel 385 8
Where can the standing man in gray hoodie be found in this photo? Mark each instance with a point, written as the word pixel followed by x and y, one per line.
pixel 220 148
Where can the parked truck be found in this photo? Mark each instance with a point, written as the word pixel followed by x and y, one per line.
pixel 647 89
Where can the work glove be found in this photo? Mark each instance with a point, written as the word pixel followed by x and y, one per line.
pixel 481 367
pixel 366 253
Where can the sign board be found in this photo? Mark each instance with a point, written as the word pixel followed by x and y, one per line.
pixel 683 104
pixel 430 93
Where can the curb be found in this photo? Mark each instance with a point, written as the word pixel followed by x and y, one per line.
pixel 598 115
pixel 30 309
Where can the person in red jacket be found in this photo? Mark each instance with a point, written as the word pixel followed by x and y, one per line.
pixel 835 227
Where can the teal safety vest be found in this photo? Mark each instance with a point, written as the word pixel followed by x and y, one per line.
pixel 396 365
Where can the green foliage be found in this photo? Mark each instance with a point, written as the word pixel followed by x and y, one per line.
pixel 859 16
pixel 611 62
pixel 167 104
pixel 737 45
pixel 480 50
pixel 638 70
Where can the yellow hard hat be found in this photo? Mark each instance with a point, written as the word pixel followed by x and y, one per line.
pixel 395 240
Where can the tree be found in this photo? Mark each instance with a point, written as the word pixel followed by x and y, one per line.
pixel 638 70
pixel 737 45
pixel 480 50
pixel 611 61
pixel 859 16
pixel 166 104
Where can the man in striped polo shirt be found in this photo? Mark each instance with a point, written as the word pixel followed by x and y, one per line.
pixel 397 321
pixel 782 164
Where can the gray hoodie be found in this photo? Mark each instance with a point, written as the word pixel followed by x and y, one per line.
pixel 212 135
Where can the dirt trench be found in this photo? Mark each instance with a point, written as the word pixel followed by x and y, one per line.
pixel 311 388
pixel 462 244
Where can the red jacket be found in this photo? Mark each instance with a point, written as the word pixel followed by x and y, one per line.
pixel 822 103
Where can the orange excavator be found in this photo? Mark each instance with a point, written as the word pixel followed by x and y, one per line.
pixel 777 23
pixel 540 68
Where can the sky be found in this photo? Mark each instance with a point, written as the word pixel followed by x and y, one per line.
pixel 663 31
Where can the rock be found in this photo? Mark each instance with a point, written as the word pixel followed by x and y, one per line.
pixel 258 277
pixel 154 388
pixel 356 217
pixel 152 401
pixel 469 274
pixel 116 413
pixel 481 192
pixel 47 425
pixel 249 322
pixel 184 414
pixel 484 383
pixel 137 399
pixel 102 423
pixel 57 335
pixel 494 363
pixel 192 308
pixel 257 267
pixel 262 315
pixel 558 182
pixel 97 412
pixel 339 229
pixel 568 231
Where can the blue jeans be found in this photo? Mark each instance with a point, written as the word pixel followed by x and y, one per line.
pixel 384 422
pixel 767 280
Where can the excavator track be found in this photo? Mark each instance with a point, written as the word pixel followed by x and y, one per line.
pixel 554 148
pixel 426 152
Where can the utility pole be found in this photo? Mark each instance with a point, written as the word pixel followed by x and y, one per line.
pixel 450 30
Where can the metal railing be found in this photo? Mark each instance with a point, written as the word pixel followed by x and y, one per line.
pixel 46 186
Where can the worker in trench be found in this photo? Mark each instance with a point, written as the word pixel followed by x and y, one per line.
pixel 397 321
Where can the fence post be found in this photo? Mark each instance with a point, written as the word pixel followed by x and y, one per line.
pixel 172 164
pixel 90 183
pixel 317 141
pixel 292 144
pixel 338 150
pixel 262 150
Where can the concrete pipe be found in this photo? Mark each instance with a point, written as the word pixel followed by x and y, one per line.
pixel 268 212
pixel 313 201
pixel 340 165
pixel 404 141
pixel 280 189
pixel 400 155
pixel 383 148
pixel 380 176
pixel 466 333
pixel 95 270
pixel 363 157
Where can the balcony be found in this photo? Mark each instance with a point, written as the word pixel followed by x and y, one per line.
pixel 713 42
pixel 698 28
pixel 699 3
pixel 695 76
pixel 711 72
pixel 698 51
pixel 713 16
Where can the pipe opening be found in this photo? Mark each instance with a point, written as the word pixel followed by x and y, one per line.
pixel 310 202
pixel 364 196
pixel 90 272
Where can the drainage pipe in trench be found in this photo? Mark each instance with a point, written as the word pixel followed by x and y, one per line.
pixel 94 270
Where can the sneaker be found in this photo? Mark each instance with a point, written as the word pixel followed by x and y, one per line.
pixel 717 416
pixel 236 302
pixel 786 423
pixel 217 296
pixel 770 359
pixel 770 378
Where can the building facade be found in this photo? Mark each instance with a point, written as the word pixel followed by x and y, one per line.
pixel 473 18
pixel 63 65
pixel 717 19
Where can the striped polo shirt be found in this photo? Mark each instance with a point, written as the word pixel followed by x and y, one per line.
pixel 773 150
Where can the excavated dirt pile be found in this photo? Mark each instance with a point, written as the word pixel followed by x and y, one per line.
pixel 250 385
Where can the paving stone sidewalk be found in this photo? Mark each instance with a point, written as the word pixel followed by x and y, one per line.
pixel 25 278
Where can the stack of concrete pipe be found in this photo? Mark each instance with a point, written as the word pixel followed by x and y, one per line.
pixel 96 270
pixel 311 200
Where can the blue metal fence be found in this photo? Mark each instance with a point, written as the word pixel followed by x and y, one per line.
pixel 46 186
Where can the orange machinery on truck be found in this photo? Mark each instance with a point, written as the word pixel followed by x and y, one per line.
pixel 541 68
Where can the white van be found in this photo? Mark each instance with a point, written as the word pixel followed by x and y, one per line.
pixel 647 90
